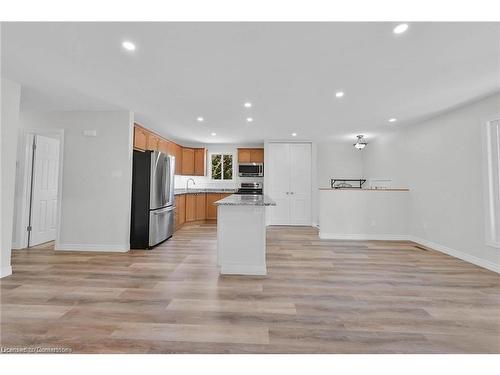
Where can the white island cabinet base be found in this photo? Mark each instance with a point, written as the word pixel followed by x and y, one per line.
pixel 241 235
pixel 241 240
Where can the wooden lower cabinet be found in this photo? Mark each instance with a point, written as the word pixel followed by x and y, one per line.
pixel 196 207
pixel 190 207
pixel 180 211
pixel 211 207
pixel 200 206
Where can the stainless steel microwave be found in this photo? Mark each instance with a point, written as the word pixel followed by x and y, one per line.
pixel 251 170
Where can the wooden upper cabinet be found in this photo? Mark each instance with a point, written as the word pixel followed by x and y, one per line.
pixel 164 146
pixel 200 206
pixel 250 155
pixel 178 158
pixel 257 155
pixel 140 138
pixel 187 161
pixel 243 155
pixel 153 142
pixel 211 213
pixel 199 161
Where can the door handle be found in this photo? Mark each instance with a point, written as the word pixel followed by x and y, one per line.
pixel 287 192
pixel 291 192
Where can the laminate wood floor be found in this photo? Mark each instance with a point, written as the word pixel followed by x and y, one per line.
pixel 320 296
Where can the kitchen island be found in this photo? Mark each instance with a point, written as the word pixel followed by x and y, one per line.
pixel 241 234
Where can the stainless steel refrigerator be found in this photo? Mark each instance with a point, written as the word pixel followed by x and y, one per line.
pixel 152 220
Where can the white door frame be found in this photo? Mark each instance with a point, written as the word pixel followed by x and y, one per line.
pixel 24 180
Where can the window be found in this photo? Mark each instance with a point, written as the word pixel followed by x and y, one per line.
pixel 493 184
pixel 222 166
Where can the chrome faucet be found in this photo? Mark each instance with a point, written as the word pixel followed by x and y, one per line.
pixel 187 183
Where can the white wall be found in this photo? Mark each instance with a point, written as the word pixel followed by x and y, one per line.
pixel 440 160
pixel 10 93
pixel 206 181
pixel 338 160
pixel 97 177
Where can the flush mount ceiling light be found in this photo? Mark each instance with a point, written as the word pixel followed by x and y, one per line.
pixel 360 144
pixel 248 105
pixel 294 134
pixel 400 29
pixel 129 46
pixel 200 119
pixel 339 94
pixel 393 120
pixel 213 134
pixel 249 119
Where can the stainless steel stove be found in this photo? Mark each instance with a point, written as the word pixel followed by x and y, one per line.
pixel 250 188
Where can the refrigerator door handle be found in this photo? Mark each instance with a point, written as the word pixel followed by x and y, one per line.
pixel 163 210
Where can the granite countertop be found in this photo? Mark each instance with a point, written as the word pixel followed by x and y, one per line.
pixel 207 190
pixel 246 200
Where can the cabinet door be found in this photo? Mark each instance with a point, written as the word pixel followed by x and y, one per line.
pixel 187 161
pixel 190 207
pixel 211 207
pixel 163 146
pixel 200 207
pixel 153 142
pixel 300 183
pixel 178 159
pixel 140 138
pixel 182 209
pixel 171 149
pixel 243 155
pixel 199 162
pixel 278 174
pixel 257 155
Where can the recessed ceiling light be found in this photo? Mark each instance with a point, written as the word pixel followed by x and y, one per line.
pixel 200 119
pixel 249 119
pixel 129 46
pixel 213 134
pixel 400 29
pixel 294 134
pixel 393 120
pixel 248 105
pixel 339 94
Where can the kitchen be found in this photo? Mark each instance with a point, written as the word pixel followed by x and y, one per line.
pixel 160 206
pixel 240 204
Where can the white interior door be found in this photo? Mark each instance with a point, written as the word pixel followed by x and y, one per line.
pixel 44 190
pixel 300 184
pixel 278 175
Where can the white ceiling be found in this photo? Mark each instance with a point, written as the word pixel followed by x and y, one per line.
pixel 289 71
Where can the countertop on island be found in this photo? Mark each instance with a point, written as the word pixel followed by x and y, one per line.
pixel 201 191
pixel 246 200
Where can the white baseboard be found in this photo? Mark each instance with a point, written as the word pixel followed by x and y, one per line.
pixel 5 271
pixel 432 245
pixel 363 237
pixel 243 269
pixel 93 247
pixel 457 254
